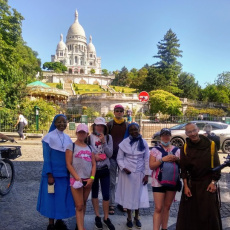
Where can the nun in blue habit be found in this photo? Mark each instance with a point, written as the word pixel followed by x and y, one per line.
pixel 59 204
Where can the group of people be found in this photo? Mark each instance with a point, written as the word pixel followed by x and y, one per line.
pixel 72 170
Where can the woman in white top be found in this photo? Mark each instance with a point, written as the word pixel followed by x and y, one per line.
pixel 21 125
pixel 102 146
pixel 163 195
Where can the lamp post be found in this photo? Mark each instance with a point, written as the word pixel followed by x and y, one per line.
pixel 36 108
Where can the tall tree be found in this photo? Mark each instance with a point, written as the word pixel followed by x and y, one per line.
pixel 168 52
pixel 223 79
pixel 18 62
pixel 121 77
pixel 189 86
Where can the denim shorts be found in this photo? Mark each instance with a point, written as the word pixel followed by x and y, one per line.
pixel 164 189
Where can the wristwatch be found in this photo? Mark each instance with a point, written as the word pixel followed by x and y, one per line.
pixel 214 182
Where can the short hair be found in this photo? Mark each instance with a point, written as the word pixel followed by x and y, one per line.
pixel 190 123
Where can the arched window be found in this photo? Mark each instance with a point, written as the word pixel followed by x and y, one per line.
pixel 91 63
pixel 70 70
pixel 70 62
pixel 91 55
pixel 75 59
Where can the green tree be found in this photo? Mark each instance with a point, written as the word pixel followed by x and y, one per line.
pixel 57 67
pixel 139 80
pixel 121 77
pixel 18 62
pixel 92 71
pixel 168 52
pixel 223 79
pixel 213 93
pixel 154 80
pixel 189 86
pixel 165 103
pixel 105 72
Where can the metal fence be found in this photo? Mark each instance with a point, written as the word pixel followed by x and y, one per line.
pixel 148 125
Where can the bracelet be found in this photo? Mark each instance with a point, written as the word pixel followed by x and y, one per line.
pixel 92 177
pixel 161 161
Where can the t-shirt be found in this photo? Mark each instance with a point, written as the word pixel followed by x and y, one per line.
pixel 21 118
pixel 82 160
pixel 158 155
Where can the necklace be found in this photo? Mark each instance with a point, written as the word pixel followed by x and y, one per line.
pixel 62 141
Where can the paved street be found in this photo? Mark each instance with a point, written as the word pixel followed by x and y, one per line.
pixel 18 208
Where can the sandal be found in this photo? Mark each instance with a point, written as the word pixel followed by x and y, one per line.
pixel 120 207
pixel 111 210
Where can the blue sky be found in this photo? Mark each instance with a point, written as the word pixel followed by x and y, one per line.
pixel 126 32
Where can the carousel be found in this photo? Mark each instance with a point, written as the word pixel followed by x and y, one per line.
pixel 39 89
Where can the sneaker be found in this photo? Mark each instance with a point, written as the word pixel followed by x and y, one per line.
pixel 98 223
pixel 129 224
pixel 50 227
pixel 60 225
pixel 137 222
pixel 108 224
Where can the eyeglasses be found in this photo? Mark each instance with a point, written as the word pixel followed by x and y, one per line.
pixel 192 131
pixel 119 111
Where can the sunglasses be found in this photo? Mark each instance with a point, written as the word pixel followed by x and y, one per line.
pixel 119 111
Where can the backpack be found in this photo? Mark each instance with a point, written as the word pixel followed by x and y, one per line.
pixel 168 174
pixel 212 152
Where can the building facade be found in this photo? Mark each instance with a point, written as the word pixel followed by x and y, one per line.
pixel 78 56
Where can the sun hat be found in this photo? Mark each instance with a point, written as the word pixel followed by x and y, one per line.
pixel 165 131
pixel 99 121
pixel 82 127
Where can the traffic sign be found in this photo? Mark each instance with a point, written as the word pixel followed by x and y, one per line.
pixel 143 96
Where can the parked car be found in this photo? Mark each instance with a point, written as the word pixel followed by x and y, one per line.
pixel 178 134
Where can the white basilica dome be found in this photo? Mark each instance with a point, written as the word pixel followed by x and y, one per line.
pixel 91 47
pixel 61 45
pixel 75 28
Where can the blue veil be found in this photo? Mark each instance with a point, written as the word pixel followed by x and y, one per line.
pixel 53 127
pixel 141 145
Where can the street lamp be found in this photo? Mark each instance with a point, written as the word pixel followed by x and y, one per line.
pixel 36 108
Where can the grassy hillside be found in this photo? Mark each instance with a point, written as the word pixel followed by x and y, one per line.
pixel 123 89
pixel 84 88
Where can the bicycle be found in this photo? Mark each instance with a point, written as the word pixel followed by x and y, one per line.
pixel 7 172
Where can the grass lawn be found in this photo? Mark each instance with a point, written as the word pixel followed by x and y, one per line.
pixel 52 84
pixel 121 88
pixel 84 88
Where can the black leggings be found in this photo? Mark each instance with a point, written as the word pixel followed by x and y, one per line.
pixel 104 177
pixel 20 129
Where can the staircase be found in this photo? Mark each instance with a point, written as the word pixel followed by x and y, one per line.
pixel 68 88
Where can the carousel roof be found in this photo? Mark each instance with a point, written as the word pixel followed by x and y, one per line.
pixel 40 88
pixel 38 83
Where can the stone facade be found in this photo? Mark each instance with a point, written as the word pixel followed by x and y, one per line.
pixel 77 78
pixel 103 103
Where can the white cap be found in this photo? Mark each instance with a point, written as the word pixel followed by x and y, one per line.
pixel 99 121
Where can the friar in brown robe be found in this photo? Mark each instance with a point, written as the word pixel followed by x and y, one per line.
pixel 199 206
